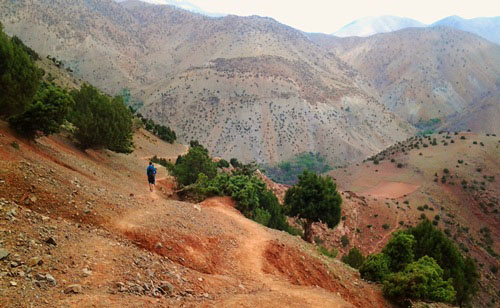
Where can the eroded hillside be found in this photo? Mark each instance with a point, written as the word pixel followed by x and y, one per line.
pixel 450 179
pixel 81 229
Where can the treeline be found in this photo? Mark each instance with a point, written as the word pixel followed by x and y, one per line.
pixel 35 108
pixel 420 263
pixel 163 132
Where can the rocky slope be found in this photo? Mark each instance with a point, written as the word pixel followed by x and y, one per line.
pixel 454 183
pixel 246 87
pixel 81 229
pixel 429 73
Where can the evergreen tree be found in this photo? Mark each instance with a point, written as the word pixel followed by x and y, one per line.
pixel 430 241
pixel 314 199
pixel 46 114
pixel 375 267
pixel 354 258
pixel 187 168
pixel 399 250
pixel 19 77
pixel 421 280
pixel 101 121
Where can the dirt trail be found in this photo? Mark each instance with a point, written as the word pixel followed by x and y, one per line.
pixel 250 256
pixel 248 259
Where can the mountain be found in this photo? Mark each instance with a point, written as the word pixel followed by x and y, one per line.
pixel 372 25
pixel 452 182
pixel 246 87
pixel 486 27
pixel 429 76
pixel 186 5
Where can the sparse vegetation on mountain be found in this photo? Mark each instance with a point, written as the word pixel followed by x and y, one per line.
pixel 45 114
pixel 19 76
pixel 314 199
pixel 101 121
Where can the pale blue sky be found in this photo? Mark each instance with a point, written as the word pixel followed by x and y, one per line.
pixel 329 15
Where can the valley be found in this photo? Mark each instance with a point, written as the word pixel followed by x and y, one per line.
pixel 404 122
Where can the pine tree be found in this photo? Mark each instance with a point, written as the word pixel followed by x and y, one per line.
pixel 314 199
pixel 19 77
pixel 45 114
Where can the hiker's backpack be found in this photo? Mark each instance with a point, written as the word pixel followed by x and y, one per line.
pixel 151 171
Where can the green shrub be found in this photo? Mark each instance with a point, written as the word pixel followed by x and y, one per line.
pixel 234 162
pixel 252 198
pixel 15 145
pixel 399 250
pixel 430 241
pixel 314 199
pixel 19 76
pixel 440 274
pixel 344 240
pixel 332 253
pixel 101 121
pixel 187 168
pixel 354 259
pixel 375 267
pixel 385 226
pixel 421 280
pixel 45 114
pixel 222 164
pixel 163 132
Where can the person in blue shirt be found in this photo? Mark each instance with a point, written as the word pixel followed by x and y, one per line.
pixel 151 172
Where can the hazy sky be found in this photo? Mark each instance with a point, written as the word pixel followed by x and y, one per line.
pixel 329 15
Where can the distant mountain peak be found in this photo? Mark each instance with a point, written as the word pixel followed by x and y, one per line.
pixel 486 27
pixel 376 24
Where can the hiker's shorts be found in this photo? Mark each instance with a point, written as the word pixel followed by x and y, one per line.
pixel 151 179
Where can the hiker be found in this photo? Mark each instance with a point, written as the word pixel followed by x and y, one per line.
pixel 151 172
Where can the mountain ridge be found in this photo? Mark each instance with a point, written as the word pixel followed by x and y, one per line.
pixel 428 73
pixel 212 78
pixel 486 27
